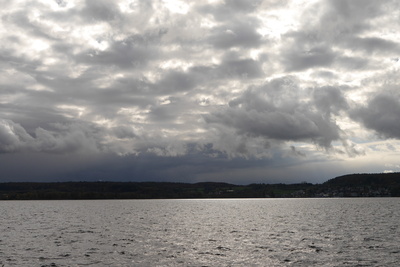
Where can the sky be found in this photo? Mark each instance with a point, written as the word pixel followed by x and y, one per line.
pixel 230 91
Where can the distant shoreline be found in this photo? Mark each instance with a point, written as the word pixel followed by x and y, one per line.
pixel 353 185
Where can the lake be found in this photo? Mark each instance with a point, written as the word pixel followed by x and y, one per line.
pixel 206 232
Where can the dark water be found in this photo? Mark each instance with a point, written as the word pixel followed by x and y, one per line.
pixel 245 232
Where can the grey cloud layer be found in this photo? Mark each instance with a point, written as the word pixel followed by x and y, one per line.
pixel 250 80
pixel 277 111
pixel 381 114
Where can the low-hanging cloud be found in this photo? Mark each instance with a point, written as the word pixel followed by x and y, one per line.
pixel 13 137
pixel 63 139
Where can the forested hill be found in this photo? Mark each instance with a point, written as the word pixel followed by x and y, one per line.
pixel 361 185
pixel 144 190
pixel 371 179
pixel 353 185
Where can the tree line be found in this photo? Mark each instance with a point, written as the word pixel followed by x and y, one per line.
pixel 354 185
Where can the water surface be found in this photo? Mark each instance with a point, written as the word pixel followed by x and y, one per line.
pixel 207 232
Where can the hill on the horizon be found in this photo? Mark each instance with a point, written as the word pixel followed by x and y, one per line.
pixel 351 185
pixel 363 184
pixel 365 179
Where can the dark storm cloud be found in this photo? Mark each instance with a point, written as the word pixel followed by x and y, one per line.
pixel 68 139
pixel 12 136
pixel 167 113
pixel 330 100
pixel 175 81
pixel 123 132
pixel 32 117
pixel 200 163
pixel 381 114
pixel 64 138
pixel 274 111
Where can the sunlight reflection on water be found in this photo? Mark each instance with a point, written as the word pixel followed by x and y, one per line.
pixel 210 232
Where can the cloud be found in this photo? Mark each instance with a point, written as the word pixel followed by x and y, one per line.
pixel 68 139
pixel 13 137
pixel 329 100
pixel 381 114
pixel 374 45
pixel 197 89
pixel 64 139
pixel 100 10
pixel 339 32
pixel 297 60
pixel 275 111
pixel 131 52
pixel 240 68
pixel 236 34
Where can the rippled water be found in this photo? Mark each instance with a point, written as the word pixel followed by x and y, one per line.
pixel 224 232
